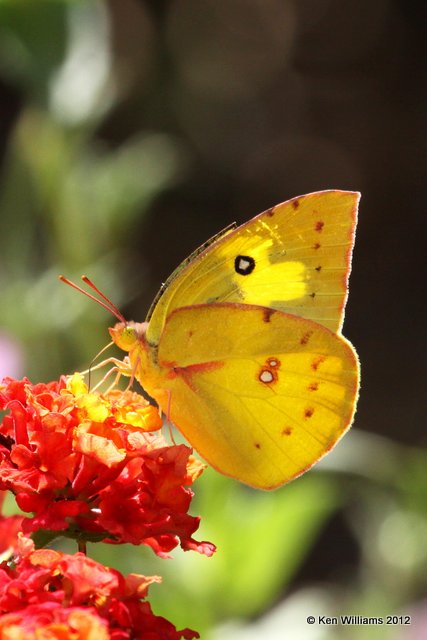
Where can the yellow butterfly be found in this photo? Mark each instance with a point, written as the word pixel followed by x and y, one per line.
pixel 242 347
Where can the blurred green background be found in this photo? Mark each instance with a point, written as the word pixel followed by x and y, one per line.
pixel 130 132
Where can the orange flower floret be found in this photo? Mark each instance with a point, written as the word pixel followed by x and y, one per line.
pixel 87 464
pixel 55 595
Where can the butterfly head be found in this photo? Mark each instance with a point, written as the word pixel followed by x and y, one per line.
pixel 127 334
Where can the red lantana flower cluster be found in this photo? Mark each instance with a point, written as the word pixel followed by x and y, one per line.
pixel 48 594
pixel 94 467
pixel 87 465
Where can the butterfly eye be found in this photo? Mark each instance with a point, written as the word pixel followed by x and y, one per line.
pixel 244 265
pixel 123 335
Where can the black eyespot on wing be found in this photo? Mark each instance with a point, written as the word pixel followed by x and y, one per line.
pixel 244 265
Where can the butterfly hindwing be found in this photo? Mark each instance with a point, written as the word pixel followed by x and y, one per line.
pixel 259 393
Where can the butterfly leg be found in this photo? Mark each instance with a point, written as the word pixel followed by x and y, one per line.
pixel 168 414
pixel 120 367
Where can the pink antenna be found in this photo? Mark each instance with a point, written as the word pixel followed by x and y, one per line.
pixel 105 302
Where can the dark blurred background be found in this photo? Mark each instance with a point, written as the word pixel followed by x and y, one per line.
pixel 132 131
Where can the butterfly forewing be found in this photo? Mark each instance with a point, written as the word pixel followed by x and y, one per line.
pixel 294 257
